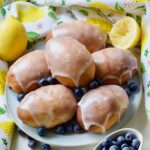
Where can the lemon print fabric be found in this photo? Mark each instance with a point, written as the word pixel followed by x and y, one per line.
pixel 125 33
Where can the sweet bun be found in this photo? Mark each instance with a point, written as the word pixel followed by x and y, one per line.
pixel 88 34
pixel 101 108
pixel 47 106
pixel 115 66
pixel 24 74
pixel 70 62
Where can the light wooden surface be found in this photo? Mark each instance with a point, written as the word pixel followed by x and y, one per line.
pixel 139 122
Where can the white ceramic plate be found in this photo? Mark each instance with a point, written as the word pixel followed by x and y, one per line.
pixel 72 140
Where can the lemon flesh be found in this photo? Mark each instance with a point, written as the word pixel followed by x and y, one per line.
pixel 13 39
pixel 125 33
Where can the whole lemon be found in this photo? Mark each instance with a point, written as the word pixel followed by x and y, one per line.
pixel 13 39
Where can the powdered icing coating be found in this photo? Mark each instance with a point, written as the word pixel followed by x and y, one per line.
pixel 30 68
pixel 67 57
pixel 99 104
pixel 113 63
pixel 48 104
pixel 88 34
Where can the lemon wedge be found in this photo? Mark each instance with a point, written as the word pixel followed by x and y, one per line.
pixel 125 33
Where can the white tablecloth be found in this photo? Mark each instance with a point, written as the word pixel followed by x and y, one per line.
pixel 139 121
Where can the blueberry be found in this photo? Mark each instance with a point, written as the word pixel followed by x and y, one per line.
pixel 32 143
pixel 128 91
pixel 114 147
pixel 45 147
pixel 135 143
pixel 124 145
pixel 121 139
pixel 77 128
pixel 126 148
pixel 115 143
pixel 104 148
pixel 132 148
pixel 41 131
pixel 51 80
pixel 129 137
pixel 79 92
pixel 107 142
pixel 43 81
pixel 20 131
pixel 69 127
pixel 94 84
pixel 60 129
pixel 132 86
pixel 20 96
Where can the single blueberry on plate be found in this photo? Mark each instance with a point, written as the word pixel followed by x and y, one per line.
pixel 45 147
pixel 126 148
pixel 129 137
pixel 135 143
pixel 77 128
pixel 41 131
pixel 124 145
pixel 20 96
pixel 32 143
pixel 95 83
pixel 69 127
pixel 20 132
pixel 79 92
pixel 114 147
pixel 120 139
pixel 43 81
pixel 128 91
pixel 51 80
pixel 60 129
pixel 132 86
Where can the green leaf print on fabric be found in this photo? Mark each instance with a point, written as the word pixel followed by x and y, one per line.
pixel 140 7
pixel 9 8
pixel 3 12
pixel 52 8
pixel 148 93
pixel 143 69
pixel 118 7
pixel 148 84
pixel 59 22
pixel 3 1
pixel 2 111
pixel 63 2
pixel 129 14
pixel 83 12
pixel 4 141
pixel 138 19
pixel 88 0
pixel 52 15
pixel 32 36
pixel 146 52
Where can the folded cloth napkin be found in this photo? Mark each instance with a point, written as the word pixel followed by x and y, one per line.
pixel 40 16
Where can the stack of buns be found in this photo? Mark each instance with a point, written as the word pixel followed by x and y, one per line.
pixel 74 54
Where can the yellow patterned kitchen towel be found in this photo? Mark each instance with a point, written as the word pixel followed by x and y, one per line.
pixel 40 16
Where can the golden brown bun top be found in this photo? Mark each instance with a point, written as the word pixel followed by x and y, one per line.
pixel 54 101
pixel 67 57
pixel 86 33
pixel 99 104
pixel 114 63
pixel 29 69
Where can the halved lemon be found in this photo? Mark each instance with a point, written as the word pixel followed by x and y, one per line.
pixel 125 33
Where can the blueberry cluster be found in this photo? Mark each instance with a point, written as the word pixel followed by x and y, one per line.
pixel 20 96
pixel 79 92
pixel 32 143
pixel 127 141
pixel 132 87
pixel 69 128
pixel 47 81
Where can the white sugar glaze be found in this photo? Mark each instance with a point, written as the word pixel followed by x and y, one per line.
pixel 48 103
pixel 99 104
pixel 30 68
pixel 67 57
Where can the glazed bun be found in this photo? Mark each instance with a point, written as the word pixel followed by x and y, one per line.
pixel 47 106
pixel 115 66
pixel 101 108
pixel 86 33
pixel 70 62
pixel 24 74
